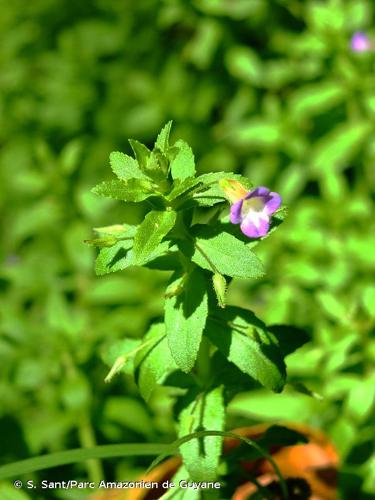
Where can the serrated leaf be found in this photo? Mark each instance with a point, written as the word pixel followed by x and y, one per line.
pixel 114 258
pixel 182 187
pixel 162 141
pixel 206 185
pixel 225 254
pixel 214 194
pixel 183 165
pixel 124 166
pixel 142 153
pixel 154 362
pixel 110 235
pixel 129 190
pixel 203 411
pixel 185 318
pixel 157 169
pixel 120 255
pixel 245 341
pixel 156 225
pixel 289 338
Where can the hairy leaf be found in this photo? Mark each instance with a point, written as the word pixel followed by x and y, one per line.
pixel 154 362
pixel 185 318
pixel 142 153
pixel 115 258
pixel 119 256
pixel 150 233
pixel 225 254
pixel 178 493
pixel 124 166
pixel 246 342
pixel 129 190
pixel 162 141
pixel 203 411
pixel 208 184
pixel 183 165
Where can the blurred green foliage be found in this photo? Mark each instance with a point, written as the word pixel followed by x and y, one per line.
pixel 267 89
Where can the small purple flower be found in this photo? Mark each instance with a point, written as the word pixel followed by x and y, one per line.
pixel 254 210
pixel 360 42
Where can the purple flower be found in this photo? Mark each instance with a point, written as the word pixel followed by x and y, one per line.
pixel 254 210
pixel 360 42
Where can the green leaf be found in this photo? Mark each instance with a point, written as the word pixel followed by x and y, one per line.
pixel 223 253
pixel 326 17
pixel 142 153
pixel 129 190
pixel 185 318
pixel 116 230
pixel 114 258
pixel 257 133
pixel 154 362
pixel 119 255
pixel 244 64
pixel 359 404
pixel 204 411
pixel 289 338
pixel 178 493
pixel 162 141
pixel 335 150
pixel 124 166
pixel 182 187
pixel 157 169
pixel 245 341
pixel 155 226
pixel 208 184
pixel 183 165
pixel 214 194
pixel 316 98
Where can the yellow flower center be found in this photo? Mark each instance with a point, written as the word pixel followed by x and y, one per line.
pixel 255 204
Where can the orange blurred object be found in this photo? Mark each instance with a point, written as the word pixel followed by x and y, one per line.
pixel 314 462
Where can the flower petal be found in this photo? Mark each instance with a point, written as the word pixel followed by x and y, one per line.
pixel 256 224
pixel 260 191
pixel 360 42
pixel 272 203
pixel 235 212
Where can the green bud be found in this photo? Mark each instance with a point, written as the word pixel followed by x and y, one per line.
pixel 220 287
pixel 106 241
pixel 176 288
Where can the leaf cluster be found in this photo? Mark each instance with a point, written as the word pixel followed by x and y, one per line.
pixel 204 348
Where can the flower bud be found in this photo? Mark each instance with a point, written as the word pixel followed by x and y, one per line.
pixel 220 287
pixel 233 190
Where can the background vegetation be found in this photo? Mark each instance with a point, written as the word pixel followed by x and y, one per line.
pixel 270 89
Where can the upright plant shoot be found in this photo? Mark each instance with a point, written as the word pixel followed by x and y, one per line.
pixel 212 349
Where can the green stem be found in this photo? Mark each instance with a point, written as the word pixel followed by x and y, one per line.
pixel 203 253
pixel 87 440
